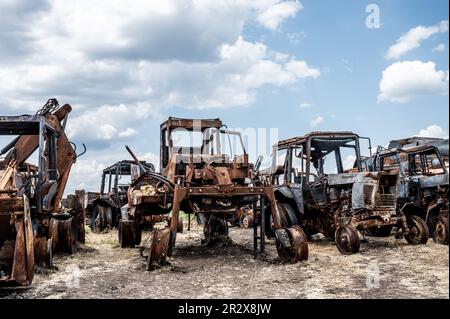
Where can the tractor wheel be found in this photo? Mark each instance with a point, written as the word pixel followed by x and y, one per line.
pixel 247 221
pixel 97 222
pixel 418 231
pixel 68 235
pixel 291 217
pixel 347 240
pixel 109 217
pixel 43 251
pixel 269 227
pixel 49 254
pixel 214 227
pixel 441 231
pixel 158 248
pixel 127 233
pixel 297 249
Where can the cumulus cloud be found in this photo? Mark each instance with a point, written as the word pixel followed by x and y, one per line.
pixel 14 33
pixel 413 38
pixel 120 66
pixel 433 131
pixel 272 17
pixel 403 81
pixel 111 54
pixel 316 121
pixel 129 132
pixel 439 48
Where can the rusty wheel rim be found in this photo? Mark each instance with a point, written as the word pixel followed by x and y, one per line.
pixel 418 231
pixel 347 240
pixel 299 246
pixel 158 249
pixel 245 222
pixel 40 250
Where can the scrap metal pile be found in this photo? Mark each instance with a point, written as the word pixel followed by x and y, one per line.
pixel 401 191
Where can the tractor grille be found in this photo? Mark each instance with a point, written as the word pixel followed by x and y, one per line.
pixel 385 200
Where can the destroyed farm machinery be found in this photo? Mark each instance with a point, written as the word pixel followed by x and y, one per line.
pixel 32 224
pixel 422 188
pixel 314 190
pixel 199 176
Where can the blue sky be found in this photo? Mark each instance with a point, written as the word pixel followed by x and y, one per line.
pixel 336 39
pixel 293 65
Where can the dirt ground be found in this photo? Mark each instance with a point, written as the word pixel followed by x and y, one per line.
pixel 384 268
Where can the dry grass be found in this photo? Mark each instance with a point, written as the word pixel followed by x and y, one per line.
pixel 107 271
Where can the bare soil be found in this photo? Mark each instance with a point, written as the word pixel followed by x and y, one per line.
pixel 384 268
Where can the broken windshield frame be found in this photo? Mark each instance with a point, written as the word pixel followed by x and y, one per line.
pixel 313 150
pixel 207 142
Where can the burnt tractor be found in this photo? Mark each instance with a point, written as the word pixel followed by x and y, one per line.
pixel 200 176
pixel 315 190
pixel 32 224
pixel 106 207
pixel 422 188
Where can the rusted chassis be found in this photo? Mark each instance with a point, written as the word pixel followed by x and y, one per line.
pixel 292 245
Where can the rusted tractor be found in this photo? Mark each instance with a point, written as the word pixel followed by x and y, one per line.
pixel 106 207
pixel 32 225
pixel 422 188
pixel 314 189
pixel 198 175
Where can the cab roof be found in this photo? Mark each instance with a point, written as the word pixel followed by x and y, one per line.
pixel 327 135
pixel 175 122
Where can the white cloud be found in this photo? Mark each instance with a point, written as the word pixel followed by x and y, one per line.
pixel 129 132
pixel 316 121
pixel 412 39
pixel 108 123
pixel 433 131
pixel 403 81
pixel 121 66
pixel 301 70
pixel 305 105
pixel 110 54
pixel 272 17
pixel 439 48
